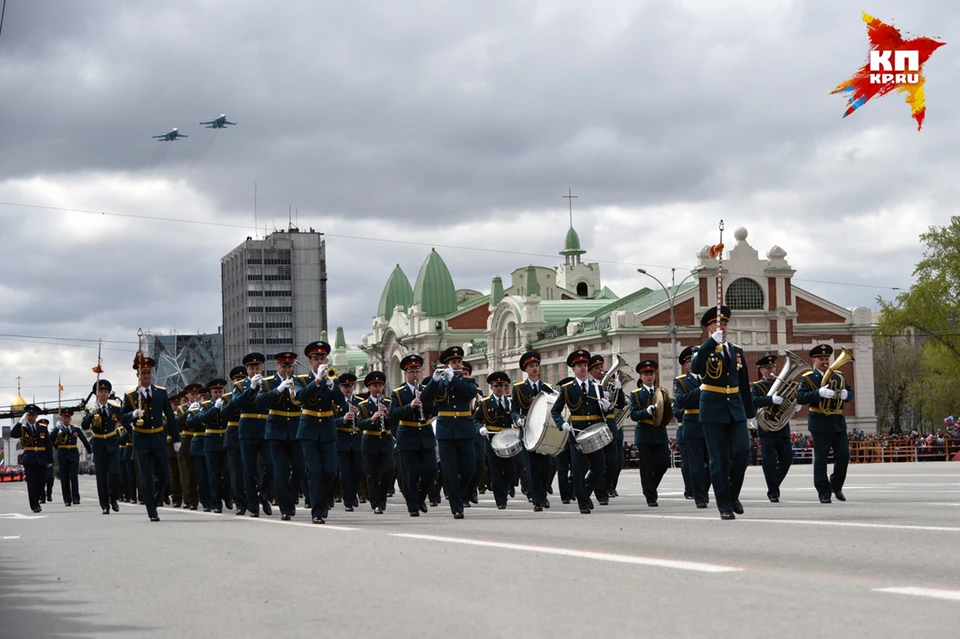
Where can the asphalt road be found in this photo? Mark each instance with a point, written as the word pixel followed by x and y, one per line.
pixel 883 564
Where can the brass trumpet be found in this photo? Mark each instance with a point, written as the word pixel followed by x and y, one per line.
pixel 331 373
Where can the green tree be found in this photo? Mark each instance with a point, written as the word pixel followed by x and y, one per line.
pixel 931 307
pixel 926 316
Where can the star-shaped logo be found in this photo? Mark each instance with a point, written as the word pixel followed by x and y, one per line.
pixel 894 64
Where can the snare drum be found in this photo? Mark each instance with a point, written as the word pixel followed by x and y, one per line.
pixel 506 443
pixel 594 437
pixel 540 433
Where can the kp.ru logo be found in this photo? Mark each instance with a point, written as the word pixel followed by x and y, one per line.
pixel 895 64
pixel 902 61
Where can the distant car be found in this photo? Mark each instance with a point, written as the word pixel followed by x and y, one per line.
pixel 12 473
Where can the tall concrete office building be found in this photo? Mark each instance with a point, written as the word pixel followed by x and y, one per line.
pixel 274 295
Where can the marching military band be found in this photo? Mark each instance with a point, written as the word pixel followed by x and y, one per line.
pixel 253 440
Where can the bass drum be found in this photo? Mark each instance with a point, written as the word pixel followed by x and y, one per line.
pixel 540 433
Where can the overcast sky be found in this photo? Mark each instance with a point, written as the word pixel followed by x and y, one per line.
pixel 443 123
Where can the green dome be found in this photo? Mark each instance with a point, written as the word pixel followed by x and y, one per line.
pixel 434 290
pixel 571 245
pixel 397 292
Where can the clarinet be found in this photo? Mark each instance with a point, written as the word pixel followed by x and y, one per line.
pixel 423 417
pixel 383 420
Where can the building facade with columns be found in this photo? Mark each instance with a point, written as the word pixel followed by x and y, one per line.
pixel 556 310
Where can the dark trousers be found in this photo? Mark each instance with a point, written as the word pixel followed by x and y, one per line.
pixel 602 487
pixel 564 467
pixel 503 472
pixel 584 484
pixel 70 480
pixel 613 472
pixel 473 483
pixel 173 471
pixel 153 477
pixel 36 482
pixel 685 468
pixel 698 464
pixel 351 474
pixel 132 483
pixel 256 487
pixel 107 467
pixel 822 443
pixel 777 456
pixel 458 467
pixel 654 462
pixel 539 471
pixel 729 448
pixel 321 461
pixel 379 468
pixel 216 462
pixel 188 475
pixel 288 455
pixel 235 472
pixel 203 479
pixel 419 476
pixel 48 483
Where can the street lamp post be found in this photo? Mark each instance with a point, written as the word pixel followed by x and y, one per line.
pixel 670 300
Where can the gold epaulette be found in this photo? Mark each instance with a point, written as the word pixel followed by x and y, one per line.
pixel 163 388
pixel 807 373
pixel 399 388
pixel 519 383
pixel 302 376
pixel 734 345
pixel 267 379
pixel 486 398
pixel 680 376
pixel 132 390
pixel 565 385
pixel 636 390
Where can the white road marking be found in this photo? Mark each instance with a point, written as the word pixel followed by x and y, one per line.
pixel 261 518
pixel 580 554
pixel 5 538
pixel 803 522
pixel 941 503
pixel 952 595
pixel 19 516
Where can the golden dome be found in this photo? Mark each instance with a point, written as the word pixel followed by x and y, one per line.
pixel 18 402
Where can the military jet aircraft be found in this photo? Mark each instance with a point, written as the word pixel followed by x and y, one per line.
pixel 218 123
pixel 170 136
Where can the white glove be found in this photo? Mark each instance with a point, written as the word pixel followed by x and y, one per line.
pixel 23 419
pixel 718 337
pixel 567 427
pixel 827 393
pixel 521 422
pixel 59 424
pixel 330 384
pixel 448 371
pixel 321 371
pixel 484 431
pixel 604 404
pixel 616 383
pixel 843 394
pixel 437 374
pixel 798 408
pixel 650 409
pixel 777 400
pixel 285 384
pixel 138 413
pixel 176 447
pixel 218 403
pixel 194 406
pixel 255 380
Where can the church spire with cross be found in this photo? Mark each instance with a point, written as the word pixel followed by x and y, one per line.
pixel 571 247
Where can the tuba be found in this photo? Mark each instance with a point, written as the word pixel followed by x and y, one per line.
pixel 773 418
pixel 835 381
pixel 608 388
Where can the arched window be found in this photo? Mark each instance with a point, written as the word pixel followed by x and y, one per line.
pixel 582 289
pixel 745 294
pixel 510 339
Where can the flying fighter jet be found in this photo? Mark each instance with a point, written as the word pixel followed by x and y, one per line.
pixel 218 123
pixel 170 136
